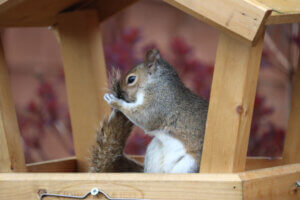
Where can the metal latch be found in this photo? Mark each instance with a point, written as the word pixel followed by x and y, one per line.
pixel 93 192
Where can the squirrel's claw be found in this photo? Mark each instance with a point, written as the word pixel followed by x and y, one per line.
pixel 111 100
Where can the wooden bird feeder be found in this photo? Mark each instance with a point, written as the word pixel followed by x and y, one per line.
pixel 226 172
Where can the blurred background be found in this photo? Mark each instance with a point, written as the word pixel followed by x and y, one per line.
pixel 34 60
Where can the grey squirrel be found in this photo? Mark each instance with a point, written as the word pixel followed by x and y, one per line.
pixel 153 97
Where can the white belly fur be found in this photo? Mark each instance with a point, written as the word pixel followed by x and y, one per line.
pixel 166 154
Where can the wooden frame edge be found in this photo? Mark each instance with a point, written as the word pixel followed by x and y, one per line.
pixel 147 186
pixel 58 165
pixel 271 183
pixel 253 163
pixel 274 183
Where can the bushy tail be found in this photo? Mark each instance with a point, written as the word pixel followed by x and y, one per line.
pixel 107 155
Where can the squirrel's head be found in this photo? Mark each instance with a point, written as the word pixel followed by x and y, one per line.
pixel 152 71
pixel 140 75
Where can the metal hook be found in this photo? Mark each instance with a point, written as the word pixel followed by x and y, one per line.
pixel 94 192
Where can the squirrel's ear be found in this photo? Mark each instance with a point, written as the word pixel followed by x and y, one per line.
pixel 151 57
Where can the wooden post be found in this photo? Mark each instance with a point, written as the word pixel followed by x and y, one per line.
pixel 231 105
pixel 11 151
pixel 84 66
pixel 291 152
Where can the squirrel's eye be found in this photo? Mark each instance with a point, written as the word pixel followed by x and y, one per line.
pixel 131 79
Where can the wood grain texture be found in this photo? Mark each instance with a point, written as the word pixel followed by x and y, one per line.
pixel 108 8
pixel 283 11
pixel 236 17
pixel 59 165
pixel 43 12
pixel 11 150
pixel 231 105
pixel 31 12
pixel 148 186
pixel 86 82
pixel 262 162
pixel 276 183
pixel 277 18
pixel 291 151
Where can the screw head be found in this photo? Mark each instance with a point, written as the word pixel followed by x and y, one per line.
pixel 95 191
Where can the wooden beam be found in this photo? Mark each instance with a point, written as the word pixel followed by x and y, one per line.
pixel 291 151
pixel 147 186
pixel 276 183
pixel 22 13
pixel 279 18
pixel 84 66
pixel 59 165
pixel 284 11
pixel 11 150
pixel 31 12
pixel 108 8
pixel 231 105
pixel 238 18
pixel 262 162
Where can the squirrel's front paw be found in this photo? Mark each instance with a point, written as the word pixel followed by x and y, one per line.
pixel 112 100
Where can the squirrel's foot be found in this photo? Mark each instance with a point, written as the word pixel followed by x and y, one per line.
pixel 113 101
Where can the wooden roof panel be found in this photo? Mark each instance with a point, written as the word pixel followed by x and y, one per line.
pixel 237 17
pixel 31 12
pixel 16 13
pixel 242 18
